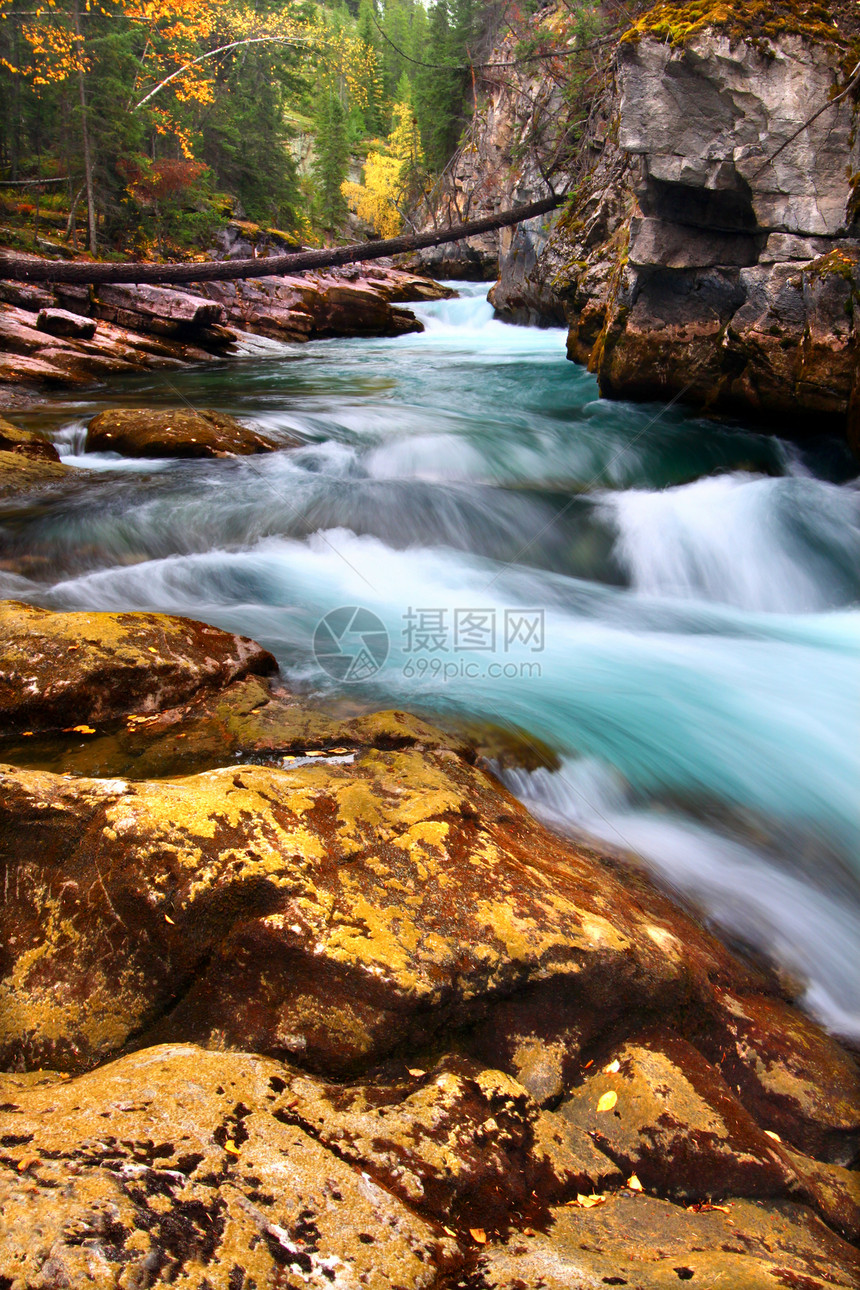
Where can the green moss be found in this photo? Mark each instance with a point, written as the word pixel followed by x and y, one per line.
pixel 761 20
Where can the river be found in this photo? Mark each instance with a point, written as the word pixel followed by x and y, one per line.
pixel 668 603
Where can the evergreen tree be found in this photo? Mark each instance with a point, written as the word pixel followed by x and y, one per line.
pixel 331 161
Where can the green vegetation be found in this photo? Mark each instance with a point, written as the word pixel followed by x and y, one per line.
pixel 139 126
pixel 757 20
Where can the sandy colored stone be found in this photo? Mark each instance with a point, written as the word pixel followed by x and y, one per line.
pixel 26 442
pixel 466 1144
pixel 330 912
pixel 22 473
pixel 60 670
pixel 171 1167
pixel 676 1125
pixel 175 432
pixel 651 1244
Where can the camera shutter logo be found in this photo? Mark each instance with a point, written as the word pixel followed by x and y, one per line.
pixel 351 643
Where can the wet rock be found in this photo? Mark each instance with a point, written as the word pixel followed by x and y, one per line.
pixel 59 322
pixel 176 432
pixel 337 913
pixel 23 473
pixel 676 1125
pixel 638 1241
pixel 793 1077
pixel 171 1167
pixel 711 253
pixel 26 442
pixel 67 669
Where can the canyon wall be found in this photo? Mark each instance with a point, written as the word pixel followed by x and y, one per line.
pixel 710 250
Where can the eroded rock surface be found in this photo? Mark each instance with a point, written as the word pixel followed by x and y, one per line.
pixel 60 670
pixel 417 966
pixel 174 432
pixel 174 1166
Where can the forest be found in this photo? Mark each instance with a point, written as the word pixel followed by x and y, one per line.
pixel 140 126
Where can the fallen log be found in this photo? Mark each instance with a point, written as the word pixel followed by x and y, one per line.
pixel 27 269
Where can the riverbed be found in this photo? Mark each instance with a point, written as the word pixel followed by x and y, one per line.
pixel 662 606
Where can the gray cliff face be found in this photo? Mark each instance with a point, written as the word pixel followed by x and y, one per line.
pixel 514 137
pixel 712 250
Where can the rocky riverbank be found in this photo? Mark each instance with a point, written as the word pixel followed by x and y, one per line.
pixel 68 336
pixel 296 999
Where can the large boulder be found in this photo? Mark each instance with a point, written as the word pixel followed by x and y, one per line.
pixel 174 1166
pixel 336 912
pixel 59 670
pixel 176 432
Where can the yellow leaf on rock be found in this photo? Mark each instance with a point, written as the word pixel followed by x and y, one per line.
pixel 413 1070
pixel 634 1184
pixel 607 1101
pixel 478 1234
pixel 80 730
pixel 613 1067
pixel 770 1133
pixel 232 1148
pixel 589 1202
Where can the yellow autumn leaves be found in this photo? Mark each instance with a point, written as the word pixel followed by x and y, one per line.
pixel 390 173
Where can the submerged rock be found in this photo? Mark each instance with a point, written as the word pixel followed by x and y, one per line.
pixel 176 432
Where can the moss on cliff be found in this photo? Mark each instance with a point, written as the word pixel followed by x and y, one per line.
pixel 761 20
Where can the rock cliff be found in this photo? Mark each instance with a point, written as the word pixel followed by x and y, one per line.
pixel 711 251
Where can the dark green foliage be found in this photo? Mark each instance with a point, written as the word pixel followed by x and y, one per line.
pixel 331 161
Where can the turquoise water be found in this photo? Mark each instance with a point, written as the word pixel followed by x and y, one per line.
pixel 667 601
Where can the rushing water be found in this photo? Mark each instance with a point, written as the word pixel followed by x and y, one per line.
pixel 668 602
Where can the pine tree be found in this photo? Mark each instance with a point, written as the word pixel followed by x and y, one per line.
pixel 331 161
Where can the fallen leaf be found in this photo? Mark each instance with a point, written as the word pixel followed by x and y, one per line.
pixel 770 1133
pixel 315 752
pixel 448 1230
pixel 26 734
pixel 415 1071
pixel 232 1148
pixel 81 730
pixel 529 1231
pixel 152 649
pixel 338 750
pixel 589 1202
pixel 587 1064
pixel 25 1162
pixel 478 1235
pixel 169 920
pixel 634 1184
pixel 607 1101
pixel 612 1068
